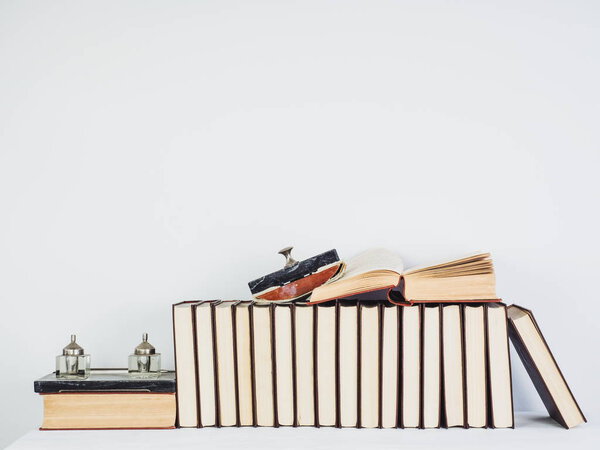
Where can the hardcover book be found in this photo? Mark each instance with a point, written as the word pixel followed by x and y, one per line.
pixel 107 399
pixel 542 368
pixel 467 279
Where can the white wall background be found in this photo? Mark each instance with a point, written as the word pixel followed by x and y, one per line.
pixel 153 151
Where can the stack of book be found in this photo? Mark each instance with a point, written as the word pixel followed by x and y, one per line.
pixel 342 364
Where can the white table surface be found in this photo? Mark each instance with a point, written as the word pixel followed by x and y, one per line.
pixel 533 430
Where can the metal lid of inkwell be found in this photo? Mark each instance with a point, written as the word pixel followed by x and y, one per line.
pixel 73 348
pixel 145 347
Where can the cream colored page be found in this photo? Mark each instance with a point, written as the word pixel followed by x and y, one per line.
pixel 225 358
pixel 411 366
pixel 431 367
pixel 371 260
pixel 453 373
pixel 500 387
pixel 449 262
pixel 305 365
pixel 283 352
pixel 475 365
pixel 389 381
pixel 263 367
pixel 348 366
pixel 186 380
pixel 326 365
pixel 369 367
pixel 206 372
pixel 244 364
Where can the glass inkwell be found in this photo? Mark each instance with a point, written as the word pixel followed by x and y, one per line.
pixel 73 363
pixel 144 362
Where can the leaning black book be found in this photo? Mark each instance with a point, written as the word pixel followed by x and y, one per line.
pixel 542 368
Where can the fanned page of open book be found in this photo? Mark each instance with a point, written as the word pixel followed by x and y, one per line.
pixel 472 264
pixel 372 260
pixel 371 270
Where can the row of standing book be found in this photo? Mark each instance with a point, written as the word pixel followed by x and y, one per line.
pixel 342 364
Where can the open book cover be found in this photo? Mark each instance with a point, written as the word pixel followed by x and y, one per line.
pixel 467 279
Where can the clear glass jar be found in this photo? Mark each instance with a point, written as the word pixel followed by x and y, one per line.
pixel 73 363
pixel 144 362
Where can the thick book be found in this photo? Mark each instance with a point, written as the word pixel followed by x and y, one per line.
pixel 528 340
pixel 467 279
pixel 108 399
pixel 453 367
pixel 185 361
pixel 431 337
pixel 475 365
pixel 325 368
pixel 369 365
pixel 410 367
pixel 348 360
pixel 390 364
pixel 501 410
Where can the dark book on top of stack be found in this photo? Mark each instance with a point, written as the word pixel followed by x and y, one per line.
pixel 342 364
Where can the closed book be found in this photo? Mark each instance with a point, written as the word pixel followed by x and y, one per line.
pixel 499 371
pixel 431 366
pixel 206 367
pixel 369 365
pixel 304 354
pixel 108 399
pixel 326 367
pixel 348 363
pixel 452 366
pixel 390 364
pixel 410 394
pixel 185 361
pixel 284 364
pixel 243 352
pixel 551 385
pixel 475 365
pixel 264 365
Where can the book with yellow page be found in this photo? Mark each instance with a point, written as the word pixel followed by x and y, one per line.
pixel 467 279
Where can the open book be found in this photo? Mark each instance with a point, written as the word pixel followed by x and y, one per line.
pixel 470 278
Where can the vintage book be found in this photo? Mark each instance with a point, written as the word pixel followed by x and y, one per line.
pixel 470 278
pixel 185 361
pixel 206 381
pixel 284 364
pixel 369 370
pixel 108 399
pixel 475 365
pixel 264 374
pixel 431 366
pixel 224 350
pixel 325 363
pixel 410 394
pixel 348 363
pixel 243 348
pixel 499 373
pixel 390 364
pixel 304 360
pixel 452 366
pixel 528 340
